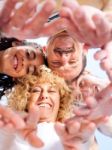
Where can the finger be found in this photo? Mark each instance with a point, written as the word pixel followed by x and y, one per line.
pixel 91 102
pixel 34 140
pixel 23 13
pixel 12 116
pixel 72 4
pixel 37 23
pixel 72 126
pixel 81 111
pixel 105 94
pixel 6 12
pixel 33 117
pixel 84 23
pixel 99 55
pixel 87 130
pixel 103 28
pixel 60 129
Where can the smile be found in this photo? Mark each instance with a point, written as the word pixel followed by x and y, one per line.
pixel 15 62
pixel 46 105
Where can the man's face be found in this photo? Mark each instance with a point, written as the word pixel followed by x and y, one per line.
pixel 64 58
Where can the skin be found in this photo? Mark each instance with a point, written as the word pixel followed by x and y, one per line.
pixel 63 58
pixel 96 23
pixel 47 98
pixel 19 61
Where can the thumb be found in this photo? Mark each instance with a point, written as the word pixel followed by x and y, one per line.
pixel 34 140
pixel 33 117
pixel 60 129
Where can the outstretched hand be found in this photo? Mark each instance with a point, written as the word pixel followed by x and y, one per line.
pixel 95 24
pixel 29 132
pixel 25 19
pixel 72 135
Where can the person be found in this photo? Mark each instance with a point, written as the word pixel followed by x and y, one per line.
pixel 17 59
pixel 69 60
pixel 52 96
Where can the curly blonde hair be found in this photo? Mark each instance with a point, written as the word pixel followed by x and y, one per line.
pixel 18 99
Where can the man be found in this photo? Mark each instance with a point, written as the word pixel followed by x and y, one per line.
pixel 67 57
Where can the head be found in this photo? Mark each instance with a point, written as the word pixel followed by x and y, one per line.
pixel 47 91
pixel 65 55
pixel 20 60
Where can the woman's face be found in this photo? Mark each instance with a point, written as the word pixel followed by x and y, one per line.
pixel 64 58
pixel 47 98
pixel 21 60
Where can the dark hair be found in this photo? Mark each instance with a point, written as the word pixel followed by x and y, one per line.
pixel 6 42
pixel 6 82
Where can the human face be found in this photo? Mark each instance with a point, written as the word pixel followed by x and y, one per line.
pixel 21 60
pixel 47 98
pixel 64 58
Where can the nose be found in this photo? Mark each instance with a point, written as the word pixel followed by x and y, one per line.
pixel 43 97
pixel 65 58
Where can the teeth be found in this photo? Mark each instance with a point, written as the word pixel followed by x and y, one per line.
pixel 44 105
pixel 15 62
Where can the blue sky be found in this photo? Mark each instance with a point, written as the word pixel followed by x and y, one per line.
pixel 104 142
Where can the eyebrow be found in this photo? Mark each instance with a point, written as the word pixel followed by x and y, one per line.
pixel 68 50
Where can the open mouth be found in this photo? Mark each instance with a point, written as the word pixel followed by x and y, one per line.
pixel 15 62
pixel 45 105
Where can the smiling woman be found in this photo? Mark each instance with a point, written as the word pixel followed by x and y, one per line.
pixel 46 90
pixel 20 60
pixel 16 60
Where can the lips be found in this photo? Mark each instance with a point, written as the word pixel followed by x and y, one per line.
pixel 15 62
pixel 45 105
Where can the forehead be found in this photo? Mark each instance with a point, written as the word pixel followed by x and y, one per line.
pixel 46 85
pixel 63 40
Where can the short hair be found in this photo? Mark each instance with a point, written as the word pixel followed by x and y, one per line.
pixel 18 99
pixel 63 33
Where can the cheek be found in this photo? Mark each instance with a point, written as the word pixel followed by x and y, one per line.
pixel 57 102
pixel 33 99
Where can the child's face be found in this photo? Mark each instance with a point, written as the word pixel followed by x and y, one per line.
pixel 47 97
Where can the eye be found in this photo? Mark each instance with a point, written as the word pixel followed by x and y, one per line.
pixel 31 70
pixel 36 90
pixel 58 51
pixel 52 90
pixel 72 61
pixel 31 55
